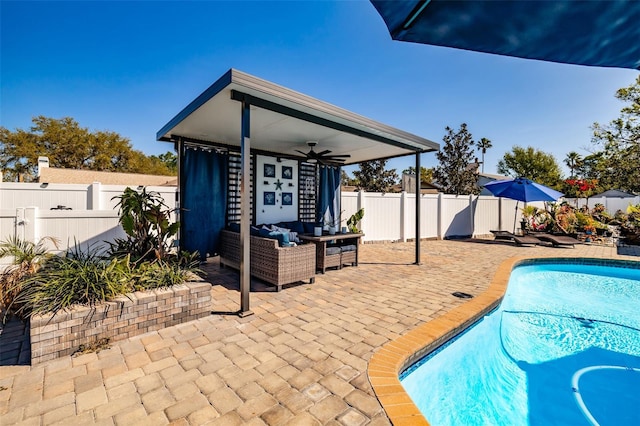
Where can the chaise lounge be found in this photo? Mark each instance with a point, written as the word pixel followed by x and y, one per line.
pixel 520 240
pixel 558 240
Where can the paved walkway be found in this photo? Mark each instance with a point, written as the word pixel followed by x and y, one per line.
pixel 300 360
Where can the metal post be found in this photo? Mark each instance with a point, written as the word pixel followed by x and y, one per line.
pixel 418 185
pixel 177 199
pixel 245 241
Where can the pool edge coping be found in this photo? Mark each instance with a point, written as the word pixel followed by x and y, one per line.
pixel 394 357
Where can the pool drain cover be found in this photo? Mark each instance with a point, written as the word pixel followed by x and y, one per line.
pixel 462 295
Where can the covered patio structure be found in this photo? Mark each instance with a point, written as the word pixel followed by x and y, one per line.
pixel 223 136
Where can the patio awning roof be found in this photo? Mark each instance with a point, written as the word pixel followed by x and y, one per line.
pixel 283 121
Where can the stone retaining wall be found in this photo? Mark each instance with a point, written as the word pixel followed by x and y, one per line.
pixel 119 319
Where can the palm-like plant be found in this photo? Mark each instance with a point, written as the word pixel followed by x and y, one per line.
pixel 573 162
pixel 483 145
pixel 145 219
pixel 28 257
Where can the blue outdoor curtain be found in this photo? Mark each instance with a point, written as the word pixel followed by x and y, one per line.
pixel 329 199
pixel 204 177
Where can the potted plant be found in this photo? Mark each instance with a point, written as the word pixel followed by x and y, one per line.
pixel 589 230
pixel 352 223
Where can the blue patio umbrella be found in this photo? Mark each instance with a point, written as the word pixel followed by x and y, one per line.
pixel 596 32
pixel 522 189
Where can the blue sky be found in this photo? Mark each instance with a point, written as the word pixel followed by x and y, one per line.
pixel 129 67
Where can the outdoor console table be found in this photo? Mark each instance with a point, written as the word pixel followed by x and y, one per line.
pixel 343 250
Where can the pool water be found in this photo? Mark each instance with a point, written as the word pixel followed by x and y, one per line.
pixel 563 348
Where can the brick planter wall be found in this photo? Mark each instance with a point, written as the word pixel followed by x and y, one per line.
pixel 117 320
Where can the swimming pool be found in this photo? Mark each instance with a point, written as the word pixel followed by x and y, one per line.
pixel 562 348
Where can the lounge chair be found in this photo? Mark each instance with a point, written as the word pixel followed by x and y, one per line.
pixel 518 239
pixel 558 240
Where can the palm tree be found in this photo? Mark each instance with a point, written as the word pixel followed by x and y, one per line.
pixel 573 162
pixel 483 145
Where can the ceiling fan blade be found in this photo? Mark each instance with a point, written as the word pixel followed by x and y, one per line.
pixel 303 153
pixel 325 152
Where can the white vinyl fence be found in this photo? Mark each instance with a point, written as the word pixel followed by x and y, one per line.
pixel 31 211
pixel 611 204
pixel 391 217
pixel 71 213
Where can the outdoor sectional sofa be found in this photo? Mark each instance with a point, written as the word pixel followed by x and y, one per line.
pixel 270 262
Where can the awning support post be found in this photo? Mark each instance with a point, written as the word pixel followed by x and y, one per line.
pixel 418 201
pixel 245 241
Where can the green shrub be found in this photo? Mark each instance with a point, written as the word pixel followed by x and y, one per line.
pixel 64 281
pixel 27 259
pixel 43 283
pixel 87 277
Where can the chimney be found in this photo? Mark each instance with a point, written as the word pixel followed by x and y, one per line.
pixel 42 163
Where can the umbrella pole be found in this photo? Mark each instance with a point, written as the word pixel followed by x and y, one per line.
pixel 515 217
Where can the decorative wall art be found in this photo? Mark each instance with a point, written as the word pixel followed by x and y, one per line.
pixel 269 170
pixel 269 198
pixel 276 186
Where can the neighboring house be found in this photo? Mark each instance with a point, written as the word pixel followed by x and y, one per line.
pixel 613 193
pixel 408 184
pixel 485 178
pixel 48 174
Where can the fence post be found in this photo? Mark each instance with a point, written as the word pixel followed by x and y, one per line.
pixel 361 201
pixel 93 196
pixel 439 213
pixel 403 216
pixel 28 219
pixel 472 221
pixel 500 214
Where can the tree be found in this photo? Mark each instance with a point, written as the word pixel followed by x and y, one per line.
pixel 532 164
pixel 67 145
pixel 345 180
pixel 619 143
pixel 483 145
pixel 373 177
pixel 457 172
pixel 426 174
pixel 573 162
pixel 169 159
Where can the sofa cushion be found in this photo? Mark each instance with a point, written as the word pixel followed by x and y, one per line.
pixel 282 237
pixel 296 226
pixel 349 247
pixel 234 227
pixel 308 227
pixel 332 250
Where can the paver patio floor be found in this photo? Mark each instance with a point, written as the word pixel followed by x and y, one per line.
pixel 301 359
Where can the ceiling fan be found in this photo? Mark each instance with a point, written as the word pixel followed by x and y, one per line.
pixel 322 157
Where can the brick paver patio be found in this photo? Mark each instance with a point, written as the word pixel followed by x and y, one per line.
pixel 300 360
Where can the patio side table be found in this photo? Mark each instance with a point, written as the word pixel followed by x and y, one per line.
pixel 326 259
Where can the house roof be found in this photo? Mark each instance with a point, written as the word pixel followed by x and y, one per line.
pixel 283 121
pixel 58 175
pixel 490 176
pixel 614 193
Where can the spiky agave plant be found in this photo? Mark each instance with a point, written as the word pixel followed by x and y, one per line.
pixel 28 257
